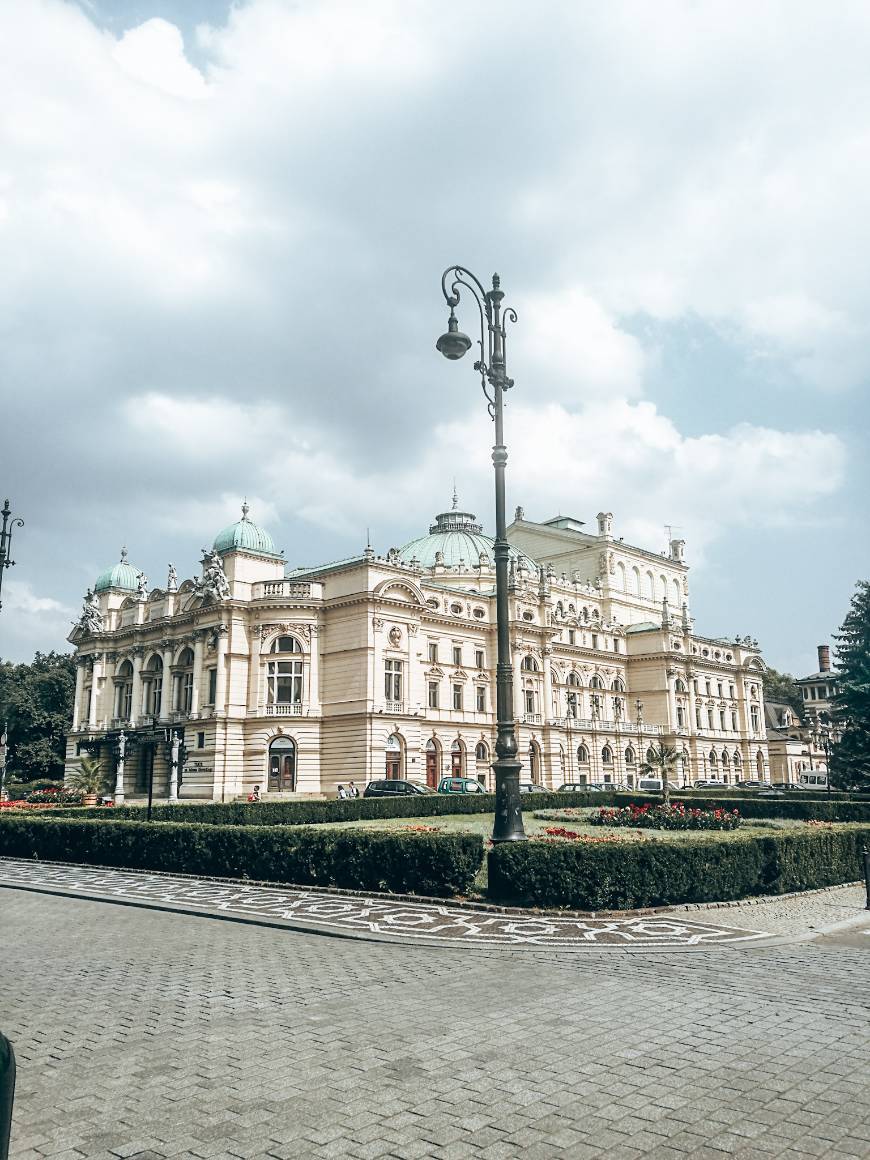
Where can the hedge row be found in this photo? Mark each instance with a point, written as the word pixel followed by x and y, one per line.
pixel 313 812
pixel 432 864
pixel 625 876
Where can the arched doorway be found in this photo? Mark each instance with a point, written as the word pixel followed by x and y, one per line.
pixel 433 762
pixel 481 761
pixel 535 762
pixel 457 758
pixel 282 765
pixel 394 756
pixel 759 765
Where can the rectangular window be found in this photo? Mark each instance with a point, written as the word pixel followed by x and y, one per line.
pixel 530 701
pixel 393 680
pixel 734 722
pixel 572 636
pixel 719 687
pixel 698 718
pixel 731 692
pixel 433 694
pixel 186 692
pixel 481 698
pixel 479 658
pixel 695 687
pixel 433 651
pixel 212 686
pixel 722 719
pixel 457 696
pixel 594 640
pixel 681 717
pixel 754 716
pixel 200 741
pixel 709 718
pixel 457 654
pixel 616 644
pixel 708 688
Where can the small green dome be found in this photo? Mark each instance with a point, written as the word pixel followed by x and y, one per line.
pixel 122 575
pixel 245 536
pixel 456 537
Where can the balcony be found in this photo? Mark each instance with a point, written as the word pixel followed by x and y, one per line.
pixel 531 719
pixel 394 707
pixel 291 709
pixel 286 589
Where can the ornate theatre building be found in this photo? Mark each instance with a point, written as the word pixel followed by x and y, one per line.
pixel 296 680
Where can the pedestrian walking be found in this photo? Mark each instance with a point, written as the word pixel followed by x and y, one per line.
pixel 342 792
pixel 352 790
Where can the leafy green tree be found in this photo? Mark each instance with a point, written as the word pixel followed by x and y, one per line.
pixel 783 689
pixel 661 761
pixel 850 759
pixel 36 702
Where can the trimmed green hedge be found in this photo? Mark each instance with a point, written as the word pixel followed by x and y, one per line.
pixel 433 864
pixel 629 875
pixel 772 807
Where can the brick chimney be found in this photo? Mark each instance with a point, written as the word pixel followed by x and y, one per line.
pixel 824 658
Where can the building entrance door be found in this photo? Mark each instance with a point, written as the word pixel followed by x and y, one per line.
pixel 394 757
pixel 282 765
pixel 432 764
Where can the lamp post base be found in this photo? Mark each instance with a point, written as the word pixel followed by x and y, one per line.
pixel 508 825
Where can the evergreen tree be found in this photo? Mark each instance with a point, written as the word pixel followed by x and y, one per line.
pixel 850 759
pixel 36 702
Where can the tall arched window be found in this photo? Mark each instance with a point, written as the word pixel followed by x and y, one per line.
pixel 618 685
pixel 481 751
pixel 573 680
pixel 152 677
pixel 635 581
pixel 433 762
pixel 607 755
pixel 395 755
pixel 650 586
pixel 184 682
pixel 620 576
pixel 650 755
pixel 679 686
pixel 529 664
pixel 124 691
pixel 534 762
pixel 596 682
pixel 282 765
pixel 284 676
pixel 629 756
pixel 457 758
pixel 714 764
pixel 582 755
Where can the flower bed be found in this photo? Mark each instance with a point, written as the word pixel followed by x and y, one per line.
pixel 55 796
pixel 677 816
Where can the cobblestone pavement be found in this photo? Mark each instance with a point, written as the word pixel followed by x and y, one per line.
pixel 147 1034
pixel 377 915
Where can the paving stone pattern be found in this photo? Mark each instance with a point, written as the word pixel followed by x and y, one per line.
pixel 374 914
pixel 146 1035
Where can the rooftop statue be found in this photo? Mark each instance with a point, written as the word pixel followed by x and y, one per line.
pixel 91 619
pixel 213 584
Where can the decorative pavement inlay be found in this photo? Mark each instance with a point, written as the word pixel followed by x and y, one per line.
pixel 367 915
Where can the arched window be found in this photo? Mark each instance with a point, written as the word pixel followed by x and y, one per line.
pixel 679 686
pixel 629 756
pixel 184 682
pixel 596 682
pixel 713 759
pixel 481 751
pixel 124 691
pixel 650 586
pixel 152 677
pixel 529 664
pixel 457 758
pixel 663 588
pixel 284 677
pixel 618 685
pixel 582 755
pixel 737 760
pixel 285 644
pixel 726 760
pixel 677 594
pixel 534 762
pixel 620 576
pixel 574 680
pixel 607 755
pixel 635 581
pixel 282 765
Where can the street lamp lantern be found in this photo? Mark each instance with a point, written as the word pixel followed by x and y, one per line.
pixel 494 382
pixel 9 523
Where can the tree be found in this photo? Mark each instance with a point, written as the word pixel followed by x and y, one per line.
pixel 36 702
pixel 850 758
pixel 661 761
pixel 783 689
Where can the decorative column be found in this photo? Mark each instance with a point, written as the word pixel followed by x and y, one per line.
pixel 119 769
pixel 220 695
pixel 197 671
pixel 173 767
pixel 314 673
pixel 136 696
pixel 95 689
pixel 167 701
pixel 80 684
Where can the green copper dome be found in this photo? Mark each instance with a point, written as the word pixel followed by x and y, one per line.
pixel 456 537
pixel 245 536
pixel 121 575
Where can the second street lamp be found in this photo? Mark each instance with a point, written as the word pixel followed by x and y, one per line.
pixel 453 345
pixel 9 523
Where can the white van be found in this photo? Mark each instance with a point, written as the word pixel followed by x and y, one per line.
pixel 654 785
pixel 817 779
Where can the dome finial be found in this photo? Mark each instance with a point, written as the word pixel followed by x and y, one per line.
pixel 245 508
pixel 455 496
pixel 124 555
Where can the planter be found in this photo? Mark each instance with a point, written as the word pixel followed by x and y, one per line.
pixel 90 799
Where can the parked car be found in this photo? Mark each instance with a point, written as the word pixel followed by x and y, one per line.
pixel 772 791
pixel 531 787
pixel 612 786
pixel 393 787
pixel 709 783
pixel 654 785
pixel 751 783
pixel 460 785
pixel 576 787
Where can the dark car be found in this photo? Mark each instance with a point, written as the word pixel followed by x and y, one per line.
pixel 393 787
pixel 531 787
pixel 772 792
pixel 751 784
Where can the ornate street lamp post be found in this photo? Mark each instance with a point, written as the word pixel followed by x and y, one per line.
pixel 494 381
pixel 6 540
pixel 825 735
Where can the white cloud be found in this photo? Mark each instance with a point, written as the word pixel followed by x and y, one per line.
pixel 154 52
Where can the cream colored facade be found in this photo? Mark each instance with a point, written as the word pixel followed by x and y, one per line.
pixel 378 666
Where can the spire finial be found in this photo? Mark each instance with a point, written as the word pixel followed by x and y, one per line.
pixel 455 496
pixel 124 555
pixel 245 508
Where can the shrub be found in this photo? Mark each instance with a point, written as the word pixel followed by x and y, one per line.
pixel 406 863
pixel 628 875
pixel 670 817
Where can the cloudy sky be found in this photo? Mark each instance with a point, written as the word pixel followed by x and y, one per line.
pixel 222 230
